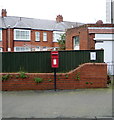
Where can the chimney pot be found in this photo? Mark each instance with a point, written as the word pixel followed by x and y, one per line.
pixel 59 18
pixel 4 13
pixel 99 22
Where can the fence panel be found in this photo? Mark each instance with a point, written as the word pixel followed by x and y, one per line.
pixel 41 61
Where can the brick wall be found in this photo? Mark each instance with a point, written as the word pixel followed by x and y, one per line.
pixel 4 41
pixel 84 41
pixel 88 75
pixel 86 35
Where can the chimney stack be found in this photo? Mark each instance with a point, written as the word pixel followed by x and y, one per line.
pixel 59 18
pixel 99 22
pixel 4 13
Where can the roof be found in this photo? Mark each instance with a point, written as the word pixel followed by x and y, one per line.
pixel 38 24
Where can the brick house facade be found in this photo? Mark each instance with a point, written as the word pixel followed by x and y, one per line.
pixel 83 37
pixel 29 34
pixel 93 36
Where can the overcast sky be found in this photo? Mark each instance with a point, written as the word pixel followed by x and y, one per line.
pixel 85 11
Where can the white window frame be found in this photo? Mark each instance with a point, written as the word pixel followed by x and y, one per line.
pixel 75 44
pixel 45 48
pixel 37 36
pixel 23 39
pixel 21 49
pixel 37 48
pixel 1 49
pixel 0 35
pixel 56 35
pixel 44 36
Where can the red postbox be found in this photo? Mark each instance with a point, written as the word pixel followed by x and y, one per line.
pixel 54 59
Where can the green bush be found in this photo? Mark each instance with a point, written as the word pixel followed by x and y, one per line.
pixel 5 77
pixel 17 76
pixel 77 76
pixel 66 76
pixel 91 83
pixel 87 83
pixel 38 80
pixel 50 80
pixel 22 75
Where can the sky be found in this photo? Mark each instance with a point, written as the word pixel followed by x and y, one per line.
pixel 84 11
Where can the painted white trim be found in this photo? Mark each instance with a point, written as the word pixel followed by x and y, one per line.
pixel 104 39
pixel 58 32
pixel 106 28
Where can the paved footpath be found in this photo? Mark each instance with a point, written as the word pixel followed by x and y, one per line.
pixel 58 119
pixel 62 104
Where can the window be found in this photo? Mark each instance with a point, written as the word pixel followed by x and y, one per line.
pixel 44 36
pixel 0 35
pixel 37 36
pixel 0 49
pixel 37 48
pixel 57 35
pixel 21 34
pixel 21 49
pixel 76 42
pixel 44 48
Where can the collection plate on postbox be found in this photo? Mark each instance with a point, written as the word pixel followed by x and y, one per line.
pixel 54 59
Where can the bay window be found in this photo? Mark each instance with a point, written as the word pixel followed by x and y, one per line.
pixel 20 34
pixel 21 49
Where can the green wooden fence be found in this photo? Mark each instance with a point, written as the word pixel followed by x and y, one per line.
pixel 41 61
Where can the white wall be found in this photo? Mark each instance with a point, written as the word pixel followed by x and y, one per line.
pixel 109 15
pixel 107 51
pixel 108 11
pixel 108 46
pixel 99 46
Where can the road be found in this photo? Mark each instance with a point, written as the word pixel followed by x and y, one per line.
pixel 84 103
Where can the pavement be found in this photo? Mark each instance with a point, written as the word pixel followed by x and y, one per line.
pixel 80 104
pixel 59 119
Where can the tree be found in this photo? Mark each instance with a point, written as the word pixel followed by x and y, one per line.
pixel 61 42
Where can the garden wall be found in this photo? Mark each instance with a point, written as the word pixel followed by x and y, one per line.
pixel 88 75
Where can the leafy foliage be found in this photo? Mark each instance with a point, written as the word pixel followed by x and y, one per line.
pixel 78 76
pixel 61 42
pixel 5 77
pixel 22 75
pixel 38 80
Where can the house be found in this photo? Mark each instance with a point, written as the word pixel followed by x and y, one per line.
pixel 91 37
pixel 30 34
